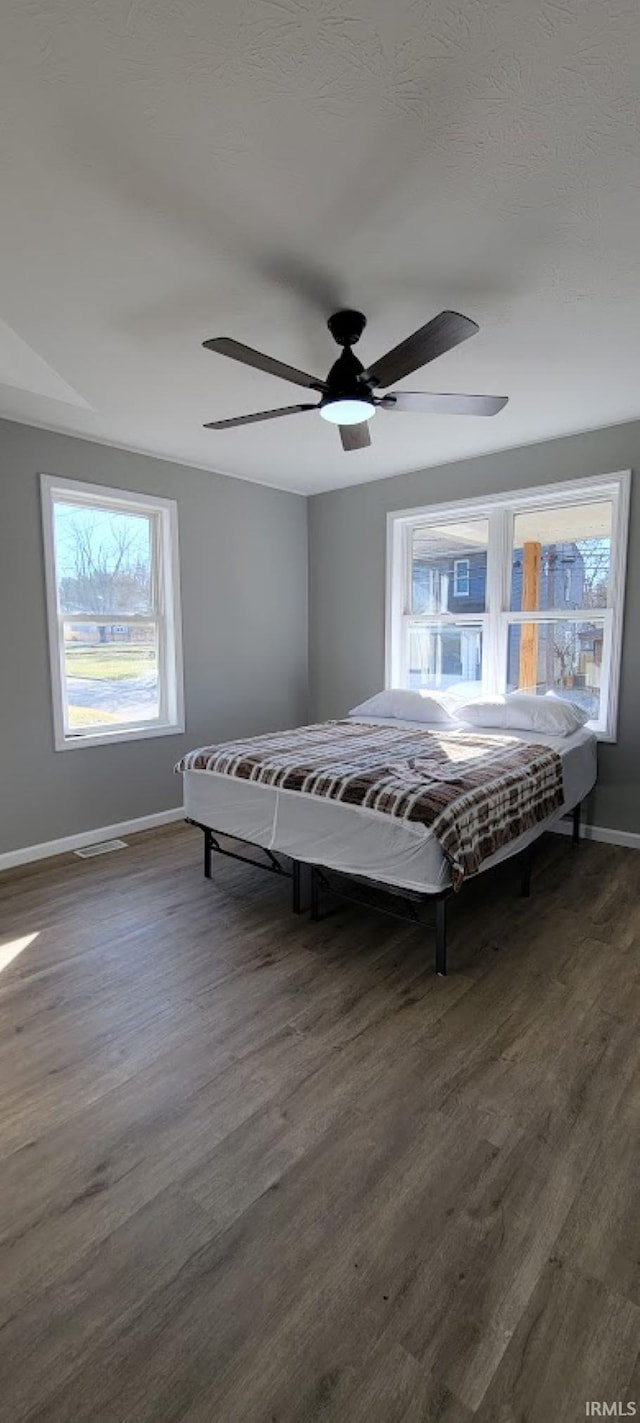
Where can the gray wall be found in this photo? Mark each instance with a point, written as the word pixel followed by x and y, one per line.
pixel 245 637
pixel 347 533
pixel 243 555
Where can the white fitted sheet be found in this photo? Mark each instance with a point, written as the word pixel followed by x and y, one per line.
pixel 358 841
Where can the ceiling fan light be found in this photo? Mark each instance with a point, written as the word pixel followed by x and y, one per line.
pixel 347 412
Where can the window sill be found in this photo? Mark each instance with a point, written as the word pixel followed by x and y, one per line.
pixel 113 738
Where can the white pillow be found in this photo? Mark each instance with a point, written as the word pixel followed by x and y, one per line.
pixel 402 705
pixel 524 711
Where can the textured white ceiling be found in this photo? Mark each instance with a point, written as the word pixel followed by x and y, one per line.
pixel 176 170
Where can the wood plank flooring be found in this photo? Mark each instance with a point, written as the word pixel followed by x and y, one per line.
pixel 257 1170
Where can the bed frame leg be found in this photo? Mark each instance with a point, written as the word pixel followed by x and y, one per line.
pixel 527 866
pixel 315 894
pixel 296 887
pixel 441 937
pixel 576 823
pixel 207 854
pixel 301 889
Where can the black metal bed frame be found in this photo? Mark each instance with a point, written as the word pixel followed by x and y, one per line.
pixel 372 894
pixel 272 864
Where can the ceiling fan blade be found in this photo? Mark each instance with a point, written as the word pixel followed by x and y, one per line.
pixel 442 334
pixel 355 437
pixel 420 402
pixel 259 415
pixel 226 346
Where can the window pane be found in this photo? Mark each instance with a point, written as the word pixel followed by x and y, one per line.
pixel 449 567
pixel 446 656
pixel 461 577
pixel 103 560
pixel 111 674
pixel 561 557
pixel 563 657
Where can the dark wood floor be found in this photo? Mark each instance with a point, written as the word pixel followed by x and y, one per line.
pixel 261 1170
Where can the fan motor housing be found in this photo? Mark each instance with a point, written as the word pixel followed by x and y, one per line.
pixel 346 327
pixel 346 378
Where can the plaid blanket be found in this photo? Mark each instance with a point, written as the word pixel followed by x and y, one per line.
pixel 475 791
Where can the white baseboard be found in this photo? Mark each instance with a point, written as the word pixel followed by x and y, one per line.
pixel 12 858
pixel 628 838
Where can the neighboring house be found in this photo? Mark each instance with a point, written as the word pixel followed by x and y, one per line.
pixel 569 656
pixel 450 585
pixel 448 654
pixel 562 577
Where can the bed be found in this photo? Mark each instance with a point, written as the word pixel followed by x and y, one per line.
pixel 357 844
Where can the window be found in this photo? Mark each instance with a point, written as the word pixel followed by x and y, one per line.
pixel 111 562
pixel 461 577
pixel 542 576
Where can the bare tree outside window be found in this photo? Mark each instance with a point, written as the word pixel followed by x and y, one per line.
pixel 596 562
pixel 105 561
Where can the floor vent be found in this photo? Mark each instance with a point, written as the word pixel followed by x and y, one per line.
pixel 103 848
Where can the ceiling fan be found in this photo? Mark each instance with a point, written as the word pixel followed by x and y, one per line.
pixel 349 395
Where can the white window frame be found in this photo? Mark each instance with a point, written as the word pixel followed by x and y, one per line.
pixel 500 510
pixel 457 565
pixel 167 615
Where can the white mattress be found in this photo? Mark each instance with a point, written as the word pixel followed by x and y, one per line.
pixel 358 841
